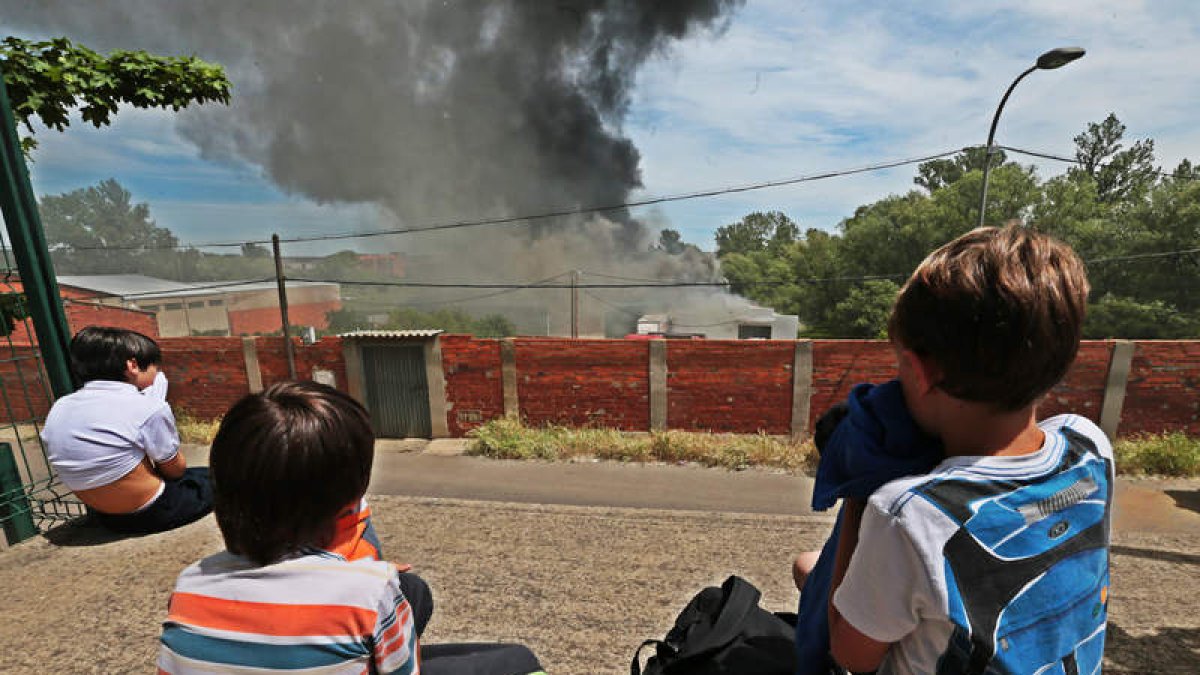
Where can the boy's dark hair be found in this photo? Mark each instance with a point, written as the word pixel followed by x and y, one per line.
pixel 101 352
pixel 999 311
pixel 284 463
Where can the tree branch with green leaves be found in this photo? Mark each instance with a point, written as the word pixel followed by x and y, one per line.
pixel 47 79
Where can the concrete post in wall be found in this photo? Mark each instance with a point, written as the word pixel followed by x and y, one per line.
pixel 352 357
pixel 658 385
pixel 508 378
pixel 802 385
pixel 250 356
pixel 435 376
pixel 1114 390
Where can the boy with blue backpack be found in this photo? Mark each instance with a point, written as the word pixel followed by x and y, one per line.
pixel 996 559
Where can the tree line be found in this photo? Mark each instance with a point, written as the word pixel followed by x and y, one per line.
pixel 1137 227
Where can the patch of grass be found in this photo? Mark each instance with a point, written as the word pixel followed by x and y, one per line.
pixel 510 439
pixel 1168 454
pixel 194 429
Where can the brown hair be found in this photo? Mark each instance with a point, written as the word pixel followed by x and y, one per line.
pixel 999 311
pixel 284 463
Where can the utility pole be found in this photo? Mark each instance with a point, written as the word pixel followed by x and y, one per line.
pixel 288 347
pixel 574 303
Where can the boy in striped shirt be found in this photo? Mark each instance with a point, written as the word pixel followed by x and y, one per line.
pixel 290 467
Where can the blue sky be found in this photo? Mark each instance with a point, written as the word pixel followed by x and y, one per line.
pixel 788 89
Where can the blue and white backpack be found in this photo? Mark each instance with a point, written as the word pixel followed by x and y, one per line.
pixel 1027 569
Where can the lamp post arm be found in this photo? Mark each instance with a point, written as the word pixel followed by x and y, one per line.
pixel 987 157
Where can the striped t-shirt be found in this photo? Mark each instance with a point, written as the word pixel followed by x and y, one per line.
pixel 316 613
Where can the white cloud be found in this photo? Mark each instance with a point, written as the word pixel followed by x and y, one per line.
pixel 793 89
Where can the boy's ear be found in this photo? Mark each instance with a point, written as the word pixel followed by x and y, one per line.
pixel 926 374
pixel 131 368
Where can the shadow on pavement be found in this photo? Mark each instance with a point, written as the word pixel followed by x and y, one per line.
pixel 1155 554
pixel 1168 650
pixel 83 531
pixel 1186 499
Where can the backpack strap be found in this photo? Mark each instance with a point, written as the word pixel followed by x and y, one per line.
pixel 740 597
pixel 635 668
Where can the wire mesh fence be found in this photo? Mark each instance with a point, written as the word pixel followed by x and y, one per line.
pixel 32 497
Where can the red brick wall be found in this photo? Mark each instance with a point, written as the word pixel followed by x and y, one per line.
pixel 584 382
pixel 325 354
pixel 207 374
pixel 267 319
pixel 474 387
pixel 1163 393
pixel 718 385
pixel 1082 390
pixel 730 385
pixel 838 365
pixel 24 396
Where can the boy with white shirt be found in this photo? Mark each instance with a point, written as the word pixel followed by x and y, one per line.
pixel 114 443
pixel 996 561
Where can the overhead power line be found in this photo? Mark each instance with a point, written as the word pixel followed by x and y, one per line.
pixel 556 213
pixel 1077 161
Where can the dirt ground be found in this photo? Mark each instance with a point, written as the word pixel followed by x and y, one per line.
pixel 581 586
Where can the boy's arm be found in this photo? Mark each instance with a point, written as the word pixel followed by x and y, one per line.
pixel 158 389
pixel 159 439
pixel 853 650
pixel 396 645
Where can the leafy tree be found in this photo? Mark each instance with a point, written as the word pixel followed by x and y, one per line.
pixel 1120 174
pixel 1113 209
pixel 670 242
pixel 757 232
pixel 79 223
pixel 938 173
pixel 1117 317
pixel 451 321
pixel 345 320
pixel 46 79
pixel 865 310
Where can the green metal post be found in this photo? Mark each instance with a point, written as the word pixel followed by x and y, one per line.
pixel 24 227
pixel 16 518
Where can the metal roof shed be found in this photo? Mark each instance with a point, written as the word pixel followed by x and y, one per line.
pixel 398 376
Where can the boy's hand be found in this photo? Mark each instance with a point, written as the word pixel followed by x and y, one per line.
pixel 401 567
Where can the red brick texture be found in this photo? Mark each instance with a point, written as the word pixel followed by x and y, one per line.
pixel 206 374
pixel 719 385
pixel 1082 390
pixel 1163 393
pixel 474 385
pixel 603 383
pixel 838 365
pixel 325 354
pixel 737 386
pixel 24 395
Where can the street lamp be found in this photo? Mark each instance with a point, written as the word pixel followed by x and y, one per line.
pixel 1055 58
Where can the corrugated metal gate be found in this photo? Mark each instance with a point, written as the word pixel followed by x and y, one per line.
pixel 397 390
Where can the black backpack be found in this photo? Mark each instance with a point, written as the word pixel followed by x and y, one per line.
pixel 723 630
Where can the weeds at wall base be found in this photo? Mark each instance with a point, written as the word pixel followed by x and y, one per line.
pixel 1169 454
pixel 510 439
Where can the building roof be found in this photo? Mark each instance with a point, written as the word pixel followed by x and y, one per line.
pixel 391 334
pixel 144 287
pixel 122 284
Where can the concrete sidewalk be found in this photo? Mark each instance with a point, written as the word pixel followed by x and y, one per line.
pixel 439 469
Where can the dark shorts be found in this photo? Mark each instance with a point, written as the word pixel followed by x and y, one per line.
pixel 184 500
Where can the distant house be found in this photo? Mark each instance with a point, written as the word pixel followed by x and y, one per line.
pixel 84 308
pixel 750 322
pixel 182 309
